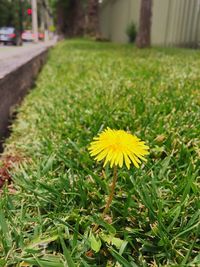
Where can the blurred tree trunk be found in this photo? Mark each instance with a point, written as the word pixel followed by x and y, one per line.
pixel 77 17
pixel 76 23
pixel 60 18
pixel 92 18
pixel 70 18
pixel 144 34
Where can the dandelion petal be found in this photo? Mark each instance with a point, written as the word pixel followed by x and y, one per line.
pixel 118 147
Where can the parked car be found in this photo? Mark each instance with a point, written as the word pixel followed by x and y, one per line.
pixel 41 36
pixel 10 35
pixel 27 36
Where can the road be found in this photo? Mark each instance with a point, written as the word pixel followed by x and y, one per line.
pixel 11 57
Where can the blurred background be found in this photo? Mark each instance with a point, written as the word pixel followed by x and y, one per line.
pixel 25 20
pixel 166 23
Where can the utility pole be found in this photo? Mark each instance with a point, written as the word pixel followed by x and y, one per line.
pixel 20 21
pixel 20 16
pixel 34 20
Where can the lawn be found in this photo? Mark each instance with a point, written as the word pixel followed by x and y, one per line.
pixel 59 191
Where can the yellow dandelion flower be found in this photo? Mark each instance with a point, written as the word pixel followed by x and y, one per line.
pixel 117 147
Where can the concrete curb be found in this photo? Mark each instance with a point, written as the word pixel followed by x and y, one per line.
pixel 15 85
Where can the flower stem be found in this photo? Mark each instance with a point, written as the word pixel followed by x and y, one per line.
pixel 111 192
pixel 110 197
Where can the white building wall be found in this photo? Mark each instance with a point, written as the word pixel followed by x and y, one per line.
pixel 174 22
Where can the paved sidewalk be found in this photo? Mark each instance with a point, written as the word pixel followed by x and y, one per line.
pixel 13 57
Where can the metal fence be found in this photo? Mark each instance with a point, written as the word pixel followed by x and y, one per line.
pixel 174 22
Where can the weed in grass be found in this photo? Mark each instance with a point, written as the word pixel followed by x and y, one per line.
pixel 117 147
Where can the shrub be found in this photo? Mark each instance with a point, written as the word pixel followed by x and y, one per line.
pixel 131 31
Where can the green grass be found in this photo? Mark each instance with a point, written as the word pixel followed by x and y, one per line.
pixel 61 191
